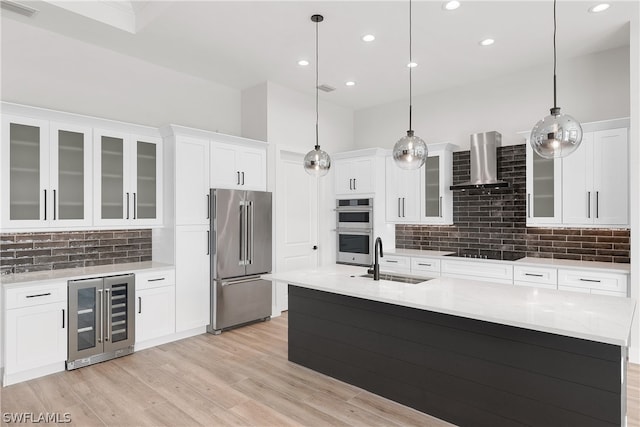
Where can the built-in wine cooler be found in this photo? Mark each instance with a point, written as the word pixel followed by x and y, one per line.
pixel 101 319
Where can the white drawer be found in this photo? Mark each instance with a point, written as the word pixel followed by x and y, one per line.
pixel 428 265
pixel 155 279
pixel 478 270
pixel 395 263
pixel 31 295
pixel 537 275
pixel 593 280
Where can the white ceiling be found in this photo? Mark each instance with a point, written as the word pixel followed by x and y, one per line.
pixel 242 43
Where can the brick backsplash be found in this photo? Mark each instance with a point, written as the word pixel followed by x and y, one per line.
pixel 25 252
pixel 495 221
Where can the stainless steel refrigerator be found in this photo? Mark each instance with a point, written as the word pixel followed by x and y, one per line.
pixel 240 252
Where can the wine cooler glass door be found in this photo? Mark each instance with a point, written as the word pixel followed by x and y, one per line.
pixel 85 314
pixel 119 312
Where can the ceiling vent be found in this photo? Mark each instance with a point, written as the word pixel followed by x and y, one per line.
pixel 16 7
pixel 326 88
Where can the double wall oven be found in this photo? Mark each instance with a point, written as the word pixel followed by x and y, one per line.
pixel 354 231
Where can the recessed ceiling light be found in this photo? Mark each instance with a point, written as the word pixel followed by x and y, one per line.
pixel 599 7
pixel 303 62
pixel 451 5
pixel 368 37
pixel 412 64
pixel 350 83
pixel 487 42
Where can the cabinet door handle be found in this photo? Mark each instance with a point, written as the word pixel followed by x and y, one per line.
pixel 424 265
pixel 158 279
pixel 54 205
pixel 39 295
pixel 528 205
pixel 127 205
pixel 597 204
pixel 589 280
pixel 534 275
pixel 135 203
pixel 208 242
pixel 354 183
pixel 404 211
pixel 45 205
pixel 391 261
pixel 399 216
pixel 238 181
pixel 440 206
pixel 242 178
pixel 139 305
pixel 350 183
pixel 208 207
pixel 588 204
pixel 63 316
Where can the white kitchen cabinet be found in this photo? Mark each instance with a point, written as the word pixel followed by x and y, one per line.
pixel 486 271
pixel 35 331
pixel 436 177
pixel 128 179
pixel 355 175
pixel 191 181
pixel 596 180
pixel 47 172
pixel 544 188
pixel 239 165
pixel 192 276
pixel 155 306
pixel 402 193
pixel 395 264
pixel 430 267
pixel 595 282
pixel 538 277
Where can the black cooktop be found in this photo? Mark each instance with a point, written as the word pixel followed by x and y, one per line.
pixel 487 254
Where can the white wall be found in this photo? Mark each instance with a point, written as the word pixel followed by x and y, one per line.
pixel 46 69
pixel 291 123
pixel 590 88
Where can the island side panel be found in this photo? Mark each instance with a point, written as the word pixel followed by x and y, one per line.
pixel 465 371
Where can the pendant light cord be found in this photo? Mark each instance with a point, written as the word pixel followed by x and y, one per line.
pixel 410 67
pixel 317 116
pixel 555 106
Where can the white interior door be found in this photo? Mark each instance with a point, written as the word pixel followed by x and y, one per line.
pixel 296 220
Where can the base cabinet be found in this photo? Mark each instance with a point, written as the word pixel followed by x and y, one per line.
pixel 35 332
pixel 155 306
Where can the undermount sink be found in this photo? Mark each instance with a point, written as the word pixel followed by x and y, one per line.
pixel 397 278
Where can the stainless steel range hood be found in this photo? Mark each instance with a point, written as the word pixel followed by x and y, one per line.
pixel 484 165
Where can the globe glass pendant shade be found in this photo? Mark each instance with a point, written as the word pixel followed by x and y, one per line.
pixel 557 135
pixel 410 152
pixel 317 162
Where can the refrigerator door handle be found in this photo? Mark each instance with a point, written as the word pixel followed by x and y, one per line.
pixel 107 304
pixel 243 234
pixel 236 282
pixel 250 234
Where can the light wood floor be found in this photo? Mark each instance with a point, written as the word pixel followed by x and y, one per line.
pixel 239 378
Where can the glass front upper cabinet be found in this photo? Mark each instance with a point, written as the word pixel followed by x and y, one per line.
pixel 127 189
pixel 46 174
pixel 543 189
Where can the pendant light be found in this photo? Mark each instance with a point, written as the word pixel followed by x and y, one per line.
pixel 557 135
pixel 410 152
pixel 317 162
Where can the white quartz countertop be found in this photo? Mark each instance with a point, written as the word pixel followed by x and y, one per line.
pixel 21 279
pixel 598 318
pixel 604 267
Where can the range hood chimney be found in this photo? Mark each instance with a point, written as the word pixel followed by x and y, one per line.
pixel 484 165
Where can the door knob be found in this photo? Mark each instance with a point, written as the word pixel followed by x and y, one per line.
pixel 315 247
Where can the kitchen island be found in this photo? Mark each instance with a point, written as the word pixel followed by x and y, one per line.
pixel 472 353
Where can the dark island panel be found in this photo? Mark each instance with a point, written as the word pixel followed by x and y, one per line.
pixel 399 353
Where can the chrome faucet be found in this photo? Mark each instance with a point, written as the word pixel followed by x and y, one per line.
pixel 376 266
